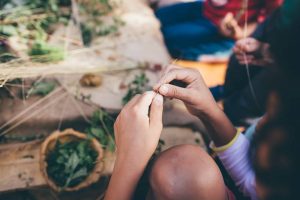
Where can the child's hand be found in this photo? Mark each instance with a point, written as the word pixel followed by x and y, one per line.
pixel 229 27
pixel 195 95
pixel 253 52
pixel 137 133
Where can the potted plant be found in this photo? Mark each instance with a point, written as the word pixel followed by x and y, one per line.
pixel 70 160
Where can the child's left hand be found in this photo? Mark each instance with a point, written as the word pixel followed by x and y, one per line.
pixel 253 52
pixel 138 128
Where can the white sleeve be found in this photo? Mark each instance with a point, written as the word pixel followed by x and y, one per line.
pixel 237 163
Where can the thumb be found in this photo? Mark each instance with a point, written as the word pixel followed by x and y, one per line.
pixel 173 91
pixel 156 111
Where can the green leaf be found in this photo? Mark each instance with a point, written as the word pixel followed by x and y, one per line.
pixel 43 52
pixel 137 86
pixel 80 173
pixel 98 132
pixel 73 162
pixel 42 88
pixel 111 145
pixel 8 30
pixel 60 160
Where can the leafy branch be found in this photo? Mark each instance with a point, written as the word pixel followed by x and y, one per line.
pixel 137 86
pixel 102 128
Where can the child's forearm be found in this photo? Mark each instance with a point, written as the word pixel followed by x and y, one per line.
pixel 124 179
pixel 219 126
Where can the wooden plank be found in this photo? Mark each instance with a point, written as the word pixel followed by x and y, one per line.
pixel 20 169
pixel 19 164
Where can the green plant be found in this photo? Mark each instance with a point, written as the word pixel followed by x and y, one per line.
pixel 43 52
pixel 93 25
pixel 42 88
pixel 6 57
pixel 137 86
pixel 102 128
pixel 70 163
pixel 29 20
pixel 86 34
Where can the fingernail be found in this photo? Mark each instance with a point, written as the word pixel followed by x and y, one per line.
pixel 158 99
pixel 163 90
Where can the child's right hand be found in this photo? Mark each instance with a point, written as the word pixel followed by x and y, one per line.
pixel 196 95
pixel 230 28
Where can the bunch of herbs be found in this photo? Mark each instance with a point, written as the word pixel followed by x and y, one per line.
pixel 70 163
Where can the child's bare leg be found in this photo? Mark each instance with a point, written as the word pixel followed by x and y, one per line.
pixel 186 172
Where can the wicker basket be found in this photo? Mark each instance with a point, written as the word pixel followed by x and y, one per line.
pixel 66 136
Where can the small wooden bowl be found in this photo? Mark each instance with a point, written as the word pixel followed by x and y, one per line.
pixel 67 136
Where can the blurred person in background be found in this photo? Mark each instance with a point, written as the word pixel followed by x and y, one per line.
pixel 194 29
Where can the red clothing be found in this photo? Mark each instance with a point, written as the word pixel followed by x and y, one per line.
pixel 215 10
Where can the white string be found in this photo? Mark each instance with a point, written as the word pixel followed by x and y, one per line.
pixel 29 108
pixel 10 92
pixel 245 58
pixel 23 92
pixel 77 106
pixel 32 114
pixel 62 113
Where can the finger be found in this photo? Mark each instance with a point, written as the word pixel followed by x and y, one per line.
pixel 166 71
pixel 228 17
pixel 246 62
pixel 244 57
pixel 144 102
pixel 170 67
pixel 132 101
pixel 236 49
pixel 172 91
pixel 175 74
pixel 238 46
pixel 156 112
pixel 235 25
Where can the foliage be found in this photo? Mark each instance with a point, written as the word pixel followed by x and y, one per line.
pixel 93 25
pixel 102 128
pixel 70 163
pixel 6 57
pixel 34 20
pixel 43 52
pixel 137 86
pixel 32 16
pixel 21 138
pixel 30 20
pixel 42 88
pixel 86 34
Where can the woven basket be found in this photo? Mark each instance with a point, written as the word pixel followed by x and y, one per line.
pixel 67 136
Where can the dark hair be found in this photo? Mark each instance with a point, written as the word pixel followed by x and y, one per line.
pixel 280 170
